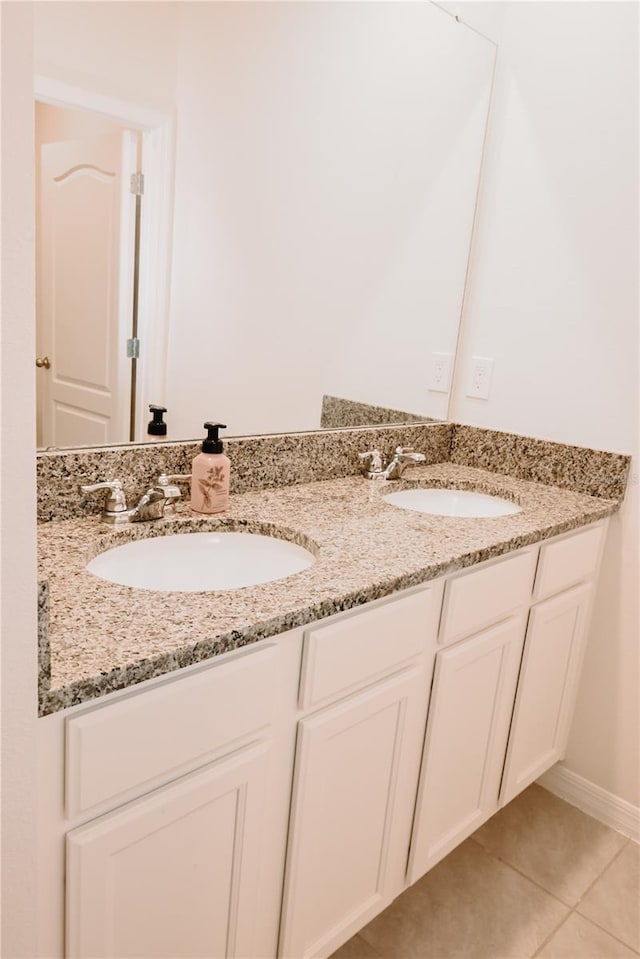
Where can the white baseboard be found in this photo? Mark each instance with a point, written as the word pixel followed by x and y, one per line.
pixel 617 813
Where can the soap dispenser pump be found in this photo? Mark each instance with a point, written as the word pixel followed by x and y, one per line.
pixel 210 474
pixel 157 426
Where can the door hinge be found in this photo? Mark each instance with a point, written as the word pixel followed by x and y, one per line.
pixel 133 348
pixel 137 184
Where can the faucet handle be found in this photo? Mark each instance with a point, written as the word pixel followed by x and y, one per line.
pixel 372 464
pixel 372 461
pixel 116 501
pixel 166 479
pixel 409 453
pixel 168 485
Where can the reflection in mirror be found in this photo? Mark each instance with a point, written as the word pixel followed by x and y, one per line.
pixel 326 166
pixel 84 259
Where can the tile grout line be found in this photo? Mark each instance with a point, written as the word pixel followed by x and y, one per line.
pixel 573 912
pixel 553 894
pixel 364 938
pixel 587 891
pixel 551 934
pixel 601 874
pixel 523 875
pixel 571 909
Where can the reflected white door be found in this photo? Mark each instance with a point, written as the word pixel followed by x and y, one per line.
pixel 86 221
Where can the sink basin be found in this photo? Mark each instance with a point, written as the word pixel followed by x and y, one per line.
pixel 452 502
pixel 194 562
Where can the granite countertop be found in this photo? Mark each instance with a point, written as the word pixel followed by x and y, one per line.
pixel 101 637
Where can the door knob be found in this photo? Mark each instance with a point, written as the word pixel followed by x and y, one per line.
pixel 44 362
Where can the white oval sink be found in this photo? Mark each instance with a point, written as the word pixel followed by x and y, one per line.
pixel 194 562
pixel 452 502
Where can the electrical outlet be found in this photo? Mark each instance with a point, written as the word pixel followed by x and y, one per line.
pixel 440 372
pixel 480 378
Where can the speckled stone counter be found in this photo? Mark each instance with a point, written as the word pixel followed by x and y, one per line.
pixel 596 472
pixel 259 462
pixel 103 637
pixel 338 412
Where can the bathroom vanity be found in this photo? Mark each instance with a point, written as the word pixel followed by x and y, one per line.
pixel 329 737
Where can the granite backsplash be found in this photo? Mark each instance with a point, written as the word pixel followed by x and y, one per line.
pixel 263 462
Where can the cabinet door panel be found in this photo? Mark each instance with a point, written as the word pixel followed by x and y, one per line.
pixel 173 874
pixel 469 715
pixel 547 689
pixel 355 781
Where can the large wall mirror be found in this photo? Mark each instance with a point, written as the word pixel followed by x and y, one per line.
pixel 304 233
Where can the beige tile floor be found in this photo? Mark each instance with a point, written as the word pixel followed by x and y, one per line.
pixel 539 879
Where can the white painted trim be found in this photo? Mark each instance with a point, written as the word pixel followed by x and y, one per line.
pixel 158 154
pixel 609 809
pixel 126 257
pixel 56 93
pixel 154 287
pixel 455 382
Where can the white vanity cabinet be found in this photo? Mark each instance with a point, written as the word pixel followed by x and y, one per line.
pixel 471 705
pixel 503 697
pixel 553 654
pixel 176 810
pixel 274 800
pixel 356 769
pixel 191 868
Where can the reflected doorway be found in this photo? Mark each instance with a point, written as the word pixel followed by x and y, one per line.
pixel 86 232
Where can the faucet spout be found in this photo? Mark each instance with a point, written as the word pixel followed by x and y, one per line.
pixel 372 463
pixel 402 459
pixel 150 506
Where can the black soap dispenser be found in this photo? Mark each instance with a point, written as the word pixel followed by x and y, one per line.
pixel 210 474
pixel 157 426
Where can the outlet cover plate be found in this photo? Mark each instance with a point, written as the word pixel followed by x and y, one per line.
pixel 481 370
pixel 439 380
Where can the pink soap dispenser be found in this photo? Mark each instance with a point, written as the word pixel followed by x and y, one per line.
pixel 210 474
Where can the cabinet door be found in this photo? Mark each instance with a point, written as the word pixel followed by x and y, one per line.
pixel 469 715
pixel 547 689
pixel 354 791
pixel 173 874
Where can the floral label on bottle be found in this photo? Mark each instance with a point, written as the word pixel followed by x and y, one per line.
pixel 212 483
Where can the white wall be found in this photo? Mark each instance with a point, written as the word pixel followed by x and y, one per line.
pixel 18 629
pixel 553 298
pixel 123 50
pixel 326 171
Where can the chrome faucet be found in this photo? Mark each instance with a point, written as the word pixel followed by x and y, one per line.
pixel 403 458
pixel 372 464
pixel 164 494
pixel 372 461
